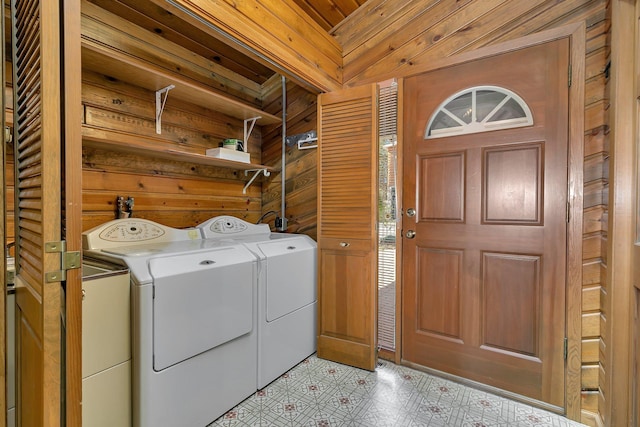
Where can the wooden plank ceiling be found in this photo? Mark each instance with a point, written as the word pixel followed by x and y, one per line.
pixel 148 15
pixel 329 13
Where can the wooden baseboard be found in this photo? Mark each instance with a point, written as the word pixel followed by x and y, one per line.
pixel 387 355
pixel 591 419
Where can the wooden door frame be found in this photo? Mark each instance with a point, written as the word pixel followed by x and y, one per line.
pixel 3 236
pixel 73 108
pixel 576 33
pixel 634 363
pixel 622 207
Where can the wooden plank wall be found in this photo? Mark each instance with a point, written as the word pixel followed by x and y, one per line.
pixel 596 198
pixel 389 37
pixel 301 172
pixel 175 193
pixel 181 194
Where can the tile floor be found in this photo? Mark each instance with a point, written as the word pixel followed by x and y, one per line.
pixel 320 393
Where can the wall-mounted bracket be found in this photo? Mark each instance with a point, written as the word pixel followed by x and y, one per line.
pixel 307 141
pixel 248 128
pixel 301 139
pixel 255 175
pixel 160 101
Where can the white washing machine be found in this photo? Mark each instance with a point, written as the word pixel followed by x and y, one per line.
pixel 194 334
pixel 287 291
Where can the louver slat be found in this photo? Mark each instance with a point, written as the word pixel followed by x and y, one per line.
pixel 29 135
pixel 37 151
pixel 347 212
pixel 346 176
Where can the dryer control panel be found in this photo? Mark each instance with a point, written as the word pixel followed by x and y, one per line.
pixel 126 232
pixel 223 225
pixel 131 231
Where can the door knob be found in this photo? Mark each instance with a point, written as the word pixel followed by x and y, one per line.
pixel 411 212
pixel 410 234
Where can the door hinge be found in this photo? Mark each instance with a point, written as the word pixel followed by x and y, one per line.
pixel 568 212
pixel 8 135
pixel 566 348
pixel 570 75
pixel 68 261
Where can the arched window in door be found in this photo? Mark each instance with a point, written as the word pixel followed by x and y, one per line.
pixel 479 109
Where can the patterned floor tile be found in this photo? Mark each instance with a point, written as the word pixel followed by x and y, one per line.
pixel 320 393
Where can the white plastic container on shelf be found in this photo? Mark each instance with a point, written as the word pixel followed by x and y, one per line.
pixel 229 154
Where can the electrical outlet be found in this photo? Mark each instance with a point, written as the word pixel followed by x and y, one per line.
pixel 281 224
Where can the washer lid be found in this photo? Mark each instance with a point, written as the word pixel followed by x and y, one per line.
pixel 282 244
pixel 133 251
pixel 154 249
pixel 201 301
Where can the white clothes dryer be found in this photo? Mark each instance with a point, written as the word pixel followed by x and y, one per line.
pixel 287 291
pixel 193 320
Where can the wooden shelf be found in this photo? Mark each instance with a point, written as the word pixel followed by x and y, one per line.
pixel 128 68
pixel 148 146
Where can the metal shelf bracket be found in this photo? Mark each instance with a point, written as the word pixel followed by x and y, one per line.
pixel 255 175
pixel 248 128
pixel 160 101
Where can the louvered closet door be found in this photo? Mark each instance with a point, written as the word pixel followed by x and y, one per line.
pixel 347 215
pixel 42 145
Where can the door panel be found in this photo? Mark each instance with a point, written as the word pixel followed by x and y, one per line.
pixel 443 177
pixel 512 181
pixel 514 326
pixel 344 333
pixel 42 145
pixel 484 277
pixel 347 215
pixel 38 304
pixel 439 296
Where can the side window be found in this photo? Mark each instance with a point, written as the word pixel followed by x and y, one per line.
pixel 478 109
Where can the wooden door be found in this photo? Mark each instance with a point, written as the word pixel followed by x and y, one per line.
pixel 635 344
pixel 46 80
pixel 5 358
pixel 347 215
pixel 634 396
pixel 635 290
pixel 484 276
